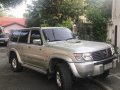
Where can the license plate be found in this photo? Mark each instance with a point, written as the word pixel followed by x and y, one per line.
pixel 107 66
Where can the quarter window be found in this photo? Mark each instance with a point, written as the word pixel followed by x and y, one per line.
pixel 15 35
pixel 24 36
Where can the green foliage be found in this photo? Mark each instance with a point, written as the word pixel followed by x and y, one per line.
pixel 10 3
pixel 2 13
pixel 99 17
pixel 107 8
pixel 84 30
pixel 44 25
pixel 63 12
pixel 33 15
pixel 54 12
pixel 66 23
pixel 7 3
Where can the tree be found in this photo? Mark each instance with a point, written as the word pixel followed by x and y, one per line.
pixel 98 13
pixel 99 23
pixel 107 8
pixel 7 3
pixel 63 12
pixel 10 3
pixel 2 13
pixel 54 12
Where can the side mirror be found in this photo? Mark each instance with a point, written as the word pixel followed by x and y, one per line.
pixel 37 42
pixel 75 36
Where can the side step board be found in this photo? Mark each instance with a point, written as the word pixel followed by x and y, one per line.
pixel 35 68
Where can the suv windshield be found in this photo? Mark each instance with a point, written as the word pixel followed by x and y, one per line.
pixel 58 34
pixel 3 36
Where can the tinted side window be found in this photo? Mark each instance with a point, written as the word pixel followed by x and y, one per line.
pixel 24 36
pixel 35 34
pixel 14 36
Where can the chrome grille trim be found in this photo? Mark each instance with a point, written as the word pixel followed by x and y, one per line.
pixel 102 54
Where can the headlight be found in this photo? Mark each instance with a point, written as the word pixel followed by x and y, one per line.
pixel 113 50
pixel 78 56
pixel 85 56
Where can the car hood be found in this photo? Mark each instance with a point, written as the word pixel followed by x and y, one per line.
pixel 79 46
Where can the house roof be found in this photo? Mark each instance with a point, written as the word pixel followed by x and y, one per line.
pixel 6 21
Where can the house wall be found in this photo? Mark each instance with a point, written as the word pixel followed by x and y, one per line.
pixel 12 27
pixel 116 21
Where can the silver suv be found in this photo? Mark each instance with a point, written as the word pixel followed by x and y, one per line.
pixel 57 52
pixel 4 39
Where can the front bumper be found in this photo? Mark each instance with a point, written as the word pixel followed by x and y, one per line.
pixel 3 42
pixel 94 68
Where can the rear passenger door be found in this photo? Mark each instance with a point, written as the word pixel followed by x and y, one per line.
pixel 13 39
pixel 22 44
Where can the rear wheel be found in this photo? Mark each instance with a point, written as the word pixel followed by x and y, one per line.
pixel 15 65
pixel 63 77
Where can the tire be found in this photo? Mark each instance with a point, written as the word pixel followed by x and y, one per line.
pixel 15 65
pixel 104 75
pixel 63 77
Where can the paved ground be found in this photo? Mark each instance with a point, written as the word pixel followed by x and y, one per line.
pixel 31 80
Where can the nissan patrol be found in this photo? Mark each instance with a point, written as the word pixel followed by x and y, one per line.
pixel 57 52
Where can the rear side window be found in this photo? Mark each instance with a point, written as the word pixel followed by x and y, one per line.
pixel 14 36
pixel 24 36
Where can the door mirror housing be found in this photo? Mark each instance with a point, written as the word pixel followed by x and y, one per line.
pixel 37 42
pixel 75 36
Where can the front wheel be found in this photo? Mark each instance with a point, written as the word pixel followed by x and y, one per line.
pixel 63 77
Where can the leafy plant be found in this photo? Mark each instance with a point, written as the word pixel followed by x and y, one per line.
pixel 98 16
pixel 66 23
pixel 10 3
pixel 54 12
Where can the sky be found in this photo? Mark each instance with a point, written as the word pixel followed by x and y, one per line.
pixel 19 10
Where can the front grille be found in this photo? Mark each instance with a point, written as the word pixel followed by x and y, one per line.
pixel 2 41
pixel 102 54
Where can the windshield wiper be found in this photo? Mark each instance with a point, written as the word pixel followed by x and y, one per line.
pixel 54 40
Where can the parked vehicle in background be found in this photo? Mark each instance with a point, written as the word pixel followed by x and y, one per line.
pixel 56 52
pixel 4 39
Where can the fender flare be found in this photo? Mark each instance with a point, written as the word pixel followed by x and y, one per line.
pixel 66 59
pixel 17 54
